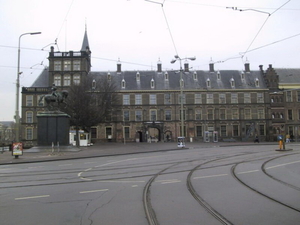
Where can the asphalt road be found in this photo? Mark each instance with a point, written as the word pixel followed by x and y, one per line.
pixel 229 185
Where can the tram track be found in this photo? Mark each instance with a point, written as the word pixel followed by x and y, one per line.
pixel 234 174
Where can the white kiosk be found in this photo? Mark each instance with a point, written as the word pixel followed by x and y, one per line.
pixel 180 142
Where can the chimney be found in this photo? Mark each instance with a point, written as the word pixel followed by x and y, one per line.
pixel 159 70
pixel 119 70
pixel 186 66
pixel 247 67
pixel 261 67
pixel 211 66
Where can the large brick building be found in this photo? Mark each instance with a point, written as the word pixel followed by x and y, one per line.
pixel 223 104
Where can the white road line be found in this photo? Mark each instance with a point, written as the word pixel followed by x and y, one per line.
pixel 250 171
pixel 65 165
pixel 32 197
pixel 121 181
pixel 35 167
pixel 219 175
pixel 271 167
pixel 93 191
pixel 171 182
pixel 89 162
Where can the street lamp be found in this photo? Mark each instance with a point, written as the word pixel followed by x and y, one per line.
pixel 177 58
pixel 17 116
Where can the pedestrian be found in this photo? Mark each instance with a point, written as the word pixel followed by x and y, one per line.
pixel 256 139
pixel 287 138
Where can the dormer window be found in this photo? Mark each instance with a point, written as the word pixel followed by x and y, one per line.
pixel 218 75
pixel 166 76
pixel 123 84
pixel 232 83
pixel 195 76
pixel 243 76
pixel 108 77
pixel 152 83
pixel 138 77
pixel 256 82
pixel 208 84
pixel 181 83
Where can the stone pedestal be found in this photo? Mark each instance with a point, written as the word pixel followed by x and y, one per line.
pixel 53 126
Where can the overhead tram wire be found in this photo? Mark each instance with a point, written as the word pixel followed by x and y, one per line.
pixel 166 20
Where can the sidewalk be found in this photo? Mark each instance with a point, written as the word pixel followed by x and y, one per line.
pixel 40 154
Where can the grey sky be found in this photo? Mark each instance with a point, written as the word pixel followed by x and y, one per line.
pixel 141 32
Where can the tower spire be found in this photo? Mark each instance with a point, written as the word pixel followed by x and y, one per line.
pixel 85 42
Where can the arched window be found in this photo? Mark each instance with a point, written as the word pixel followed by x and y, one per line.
pixel 218 75
pixel 208 82
pixel 123 84
pixel 256 82
pixel 76 79
pixel 67 80
pixel 232 83
pixel 166 76
pixel 138 77
pixel 152 83
pixel 195 76
pixel 57 80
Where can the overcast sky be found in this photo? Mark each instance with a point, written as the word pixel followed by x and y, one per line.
pixel 141 32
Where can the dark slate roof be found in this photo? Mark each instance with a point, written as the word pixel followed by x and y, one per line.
pixel 42 80
pixel 287 76
pixel 85 42
pixel 189 83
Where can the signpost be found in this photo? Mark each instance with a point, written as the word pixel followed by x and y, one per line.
pixel 17 149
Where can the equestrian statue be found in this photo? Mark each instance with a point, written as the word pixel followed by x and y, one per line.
pixel 55 99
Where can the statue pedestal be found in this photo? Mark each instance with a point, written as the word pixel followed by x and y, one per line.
pixel 53 127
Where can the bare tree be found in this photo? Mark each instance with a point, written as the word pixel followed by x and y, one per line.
pixel 90 102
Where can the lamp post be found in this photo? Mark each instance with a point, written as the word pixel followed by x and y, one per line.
pixel 17 116
pixel 177 58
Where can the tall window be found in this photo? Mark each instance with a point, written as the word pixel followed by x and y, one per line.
pixel 198 115
pixel 126 100
pixel 67 80
pixel 152 83
pixel 152 114
pixel 138 115
pixel 198 99
pixel 181 98
pixel 199 131
pixel 168 99
pixel 29 133
pixel 76 79
pixel 247 114
pixel 184 118
pixel 262 129
pixel 234 98
pixel 223 131
pixel 261 113
pixel 126 115
pixel 247 97
pixel 67 65
pixel 138 99
pixel 40 103
pixel 260 98
pixel 123 84
pixel 298 96
pixel 57 65
pixel 29 100
pixel 126 132
pixel 210 114
pixel 168 114
pixel 288 96
pixel 235 114
pixel 152 99
pixel 138 77
pixel 222 98
pixel 222 114
pixel 29 117
pixel 235 130
pixel 76 65
pixel 108 132
pixel 290 114
pixel 209 98
pixel 57 80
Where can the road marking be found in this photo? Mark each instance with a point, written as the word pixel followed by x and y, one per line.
pixel 271 167
pixel 121 181
pixel 35 167
pixel 219 175
pixel 65 165
pixel 134 186
pixel 106 164
pixel 89 162
pixel 171 182
pixel 93 191
pixel 250 171
pixel 32 197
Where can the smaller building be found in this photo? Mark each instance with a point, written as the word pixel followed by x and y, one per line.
pixel 84 139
